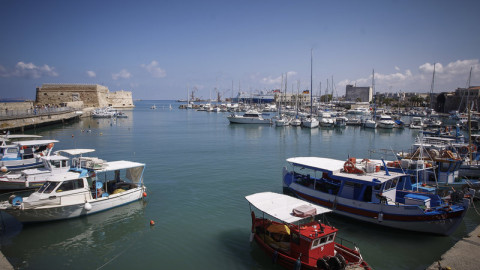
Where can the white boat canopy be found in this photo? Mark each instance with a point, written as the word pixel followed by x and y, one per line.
pixel 134 170
pixel 74 152
pixel 281 206
pixel 35 142
pixel 19 136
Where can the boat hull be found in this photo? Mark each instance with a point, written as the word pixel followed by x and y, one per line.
pixel 52 212
pixel 406 217
pixel 247 120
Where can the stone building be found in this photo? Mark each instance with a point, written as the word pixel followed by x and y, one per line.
pixel 361 94
pixel 92 95
pixel 457 101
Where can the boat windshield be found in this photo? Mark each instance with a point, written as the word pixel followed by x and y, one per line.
pixel 48 187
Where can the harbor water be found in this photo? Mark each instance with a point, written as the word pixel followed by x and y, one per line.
pixel 199 168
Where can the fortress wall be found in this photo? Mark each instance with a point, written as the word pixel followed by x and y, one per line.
pixel 120 99
pixel 92 95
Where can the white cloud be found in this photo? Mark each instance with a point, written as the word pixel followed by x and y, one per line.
pixel 91 74
pixel 123 74
pixel 277 80
pixel 28 70
pixel 447 77
pixel 154 69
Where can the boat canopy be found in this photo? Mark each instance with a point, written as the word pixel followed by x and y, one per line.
pixel 55 158
pixel 19 136
pixel 35 142
pixel 74 152
pixel 336 168
pixel 134 170
pixel 317 163
pixel 281 206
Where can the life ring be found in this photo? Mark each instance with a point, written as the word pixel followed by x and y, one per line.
pixel 50 146
pixel 349 167
pixel 463 150
pixel 395 164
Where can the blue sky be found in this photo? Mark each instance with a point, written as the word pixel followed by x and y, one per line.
pixel 158 49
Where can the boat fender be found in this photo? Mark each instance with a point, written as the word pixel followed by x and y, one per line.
pixel 322 264
pixel 298 263
pixel 335 263
pixel 4 169
pixel 251 237
pixel 87 206
pixel 275 256
pixel 17 201
pixel 380 217
pixel 144 194
pixel 342 260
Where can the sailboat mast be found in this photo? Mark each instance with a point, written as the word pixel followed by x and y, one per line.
pixel 311 82
pixel 431 88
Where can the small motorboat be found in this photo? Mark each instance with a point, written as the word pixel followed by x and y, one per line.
pixel 294 239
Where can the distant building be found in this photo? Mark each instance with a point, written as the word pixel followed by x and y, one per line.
pixel 458 100
pixel 92 95
pixel 354 93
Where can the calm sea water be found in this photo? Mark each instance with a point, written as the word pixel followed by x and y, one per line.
pixel 199 169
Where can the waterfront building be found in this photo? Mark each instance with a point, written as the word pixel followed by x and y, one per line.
pixel 356 93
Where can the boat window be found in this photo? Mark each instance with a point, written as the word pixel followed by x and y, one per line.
pixel 70 185
pixel 12 150
pixel 388 185
pixel 377 187
pixel 330 237
pixel 322 241
pixel 50 187
pixel 394 183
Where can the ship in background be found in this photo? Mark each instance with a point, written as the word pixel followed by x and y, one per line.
pixel 260 97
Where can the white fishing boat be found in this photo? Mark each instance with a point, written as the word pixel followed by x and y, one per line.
pixel 53 165
pixel 107 112
pixel 115 184
pixel 385 121
pixel 249 117
pixel 22 155
pixel 370 194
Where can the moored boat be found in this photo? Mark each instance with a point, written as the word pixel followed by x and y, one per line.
pixel 294 239
pixel 114 184
pixel 249 117
pixel 370 194
pixel 22 155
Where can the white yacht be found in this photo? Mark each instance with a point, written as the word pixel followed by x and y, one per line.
pixel 249 117
pixel 385 121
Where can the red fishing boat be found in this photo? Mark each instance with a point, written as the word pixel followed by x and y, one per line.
pixel 294 239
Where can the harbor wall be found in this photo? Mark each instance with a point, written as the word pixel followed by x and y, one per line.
pixel 92 95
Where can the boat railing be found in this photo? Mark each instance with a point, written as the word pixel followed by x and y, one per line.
pixel 348 247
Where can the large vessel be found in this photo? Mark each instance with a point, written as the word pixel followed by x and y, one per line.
pixel 367 193
pixel 261 97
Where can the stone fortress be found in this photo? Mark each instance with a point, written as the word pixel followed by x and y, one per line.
pixel 83 95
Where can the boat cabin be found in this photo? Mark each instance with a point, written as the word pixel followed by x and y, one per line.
pixel 336 178
pixel 26 149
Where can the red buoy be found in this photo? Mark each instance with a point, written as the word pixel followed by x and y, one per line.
pixel 152 222
pixel 144 194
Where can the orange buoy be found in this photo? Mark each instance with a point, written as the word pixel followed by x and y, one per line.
pixel 73 136
pixel 144 194
pixel 152 222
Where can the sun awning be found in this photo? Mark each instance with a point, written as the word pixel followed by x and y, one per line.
pixel 281 206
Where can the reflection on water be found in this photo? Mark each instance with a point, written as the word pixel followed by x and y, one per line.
pixel 62 243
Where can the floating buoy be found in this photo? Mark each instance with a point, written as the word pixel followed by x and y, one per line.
pixel 4 169
pixel 144 194
pixel 101 133
pixel 88 206
pixel 72 136
pixel 152 222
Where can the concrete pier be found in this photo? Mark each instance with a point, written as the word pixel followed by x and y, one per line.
pixel 4 263
pixel 463 255
pixel 22 122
